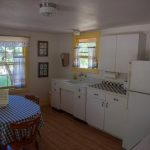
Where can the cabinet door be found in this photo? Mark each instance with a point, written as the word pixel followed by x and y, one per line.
pixel 67 100
pixel 95 112
pixel 79 106
pixel 127 50
pixel 55 101
pixel 108 53
pixel 115 115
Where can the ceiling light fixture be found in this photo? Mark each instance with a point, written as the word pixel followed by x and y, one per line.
pixel 47 8
pixel 76 32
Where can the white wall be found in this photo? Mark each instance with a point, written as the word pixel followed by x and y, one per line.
pixel 37 86
pixel 65 45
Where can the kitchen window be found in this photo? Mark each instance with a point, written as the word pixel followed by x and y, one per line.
pixel 13 61
pixel 85 52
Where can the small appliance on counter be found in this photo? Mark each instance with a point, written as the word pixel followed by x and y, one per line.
pixel 3 97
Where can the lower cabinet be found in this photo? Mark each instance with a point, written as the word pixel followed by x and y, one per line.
pixel 79 106
pixel 115 115
pixel 108 114
pixel 95 112
pixel 67 100
pixel 79 102
pixel 55 100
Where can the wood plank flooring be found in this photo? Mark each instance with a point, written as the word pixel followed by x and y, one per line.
pixel 64 132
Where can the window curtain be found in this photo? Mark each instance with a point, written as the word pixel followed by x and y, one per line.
pixel 16 69
pixel 76 62
pixel 19 72
pixel 91 57
pixel 92 60
pixel 8 41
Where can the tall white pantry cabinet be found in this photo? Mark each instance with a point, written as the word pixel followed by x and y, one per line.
pixel 116 51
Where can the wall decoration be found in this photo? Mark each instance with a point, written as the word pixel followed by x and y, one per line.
pixel 43 69
pixel 64 59
pixel 42 48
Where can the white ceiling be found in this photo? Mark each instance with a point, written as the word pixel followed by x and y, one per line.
pixel 74 14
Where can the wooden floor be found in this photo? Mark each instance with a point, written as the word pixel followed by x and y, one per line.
pixel 63 132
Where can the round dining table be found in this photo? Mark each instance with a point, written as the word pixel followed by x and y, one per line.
pixel 19 109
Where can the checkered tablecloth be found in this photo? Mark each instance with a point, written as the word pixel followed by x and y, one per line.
pixel 19 109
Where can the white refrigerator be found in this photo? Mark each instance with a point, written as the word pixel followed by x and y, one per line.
pixel 138 120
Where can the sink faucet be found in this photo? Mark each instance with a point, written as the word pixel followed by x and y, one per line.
pixel 82 76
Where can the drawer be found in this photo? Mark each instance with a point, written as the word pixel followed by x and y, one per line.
pixel 96 93
pixel 80 90
pixel 119 100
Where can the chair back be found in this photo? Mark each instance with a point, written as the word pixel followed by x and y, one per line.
pixel 25 132
pixel 32 98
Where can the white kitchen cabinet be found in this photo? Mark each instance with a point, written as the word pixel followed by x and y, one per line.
pixel 115 115
pixel 106 111
pixel 108 53
pixel 55 99
pixel 67 100
pixel 79 103
pixel 79 106
pixel 95 108
pixel 117 51
pixel 127 50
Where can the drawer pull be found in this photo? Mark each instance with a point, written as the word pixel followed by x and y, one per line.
pixel 96 94
pixel 79 90
pixel 115 99
pixel 78 96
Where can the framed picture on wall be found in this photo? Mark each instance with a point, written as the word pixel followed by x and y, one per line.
pixel 43 69
pixel 42 48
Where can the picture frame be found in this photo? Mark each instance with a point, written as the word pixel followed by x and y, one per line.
pixel 43 69
pixel 42 48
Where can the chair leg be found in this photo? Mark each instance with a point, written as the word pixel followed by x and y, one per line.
pixel 37 145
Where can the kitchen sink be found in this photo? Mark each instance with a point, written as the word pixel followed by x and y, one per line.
pixel 77 81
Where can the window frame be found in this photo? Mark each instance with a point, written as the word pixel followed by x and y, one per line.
pixel 85 35
pixel 13 90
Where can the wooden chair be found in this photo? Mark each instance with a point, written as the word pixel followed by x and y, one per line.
pixel 35 99
pixel 32 98
pixel 25 133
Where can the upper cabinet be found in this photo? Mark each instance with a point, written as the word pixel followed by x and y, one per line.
pixel 118 50
pixel 108 53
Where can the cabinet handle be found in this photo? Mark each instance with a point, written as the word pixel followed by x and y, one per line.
pixel 102 104
pixel 107 105
pixel 79 90
pixel 115 99
pixel 78 96
pixel 96 94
